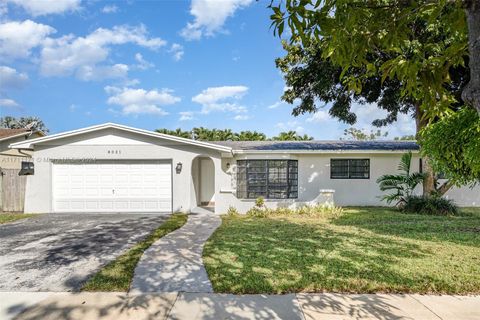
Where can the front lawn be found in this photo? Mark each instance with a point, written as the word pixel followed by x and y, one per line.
pixel 10 217
pixel 118 274
pixel 365 250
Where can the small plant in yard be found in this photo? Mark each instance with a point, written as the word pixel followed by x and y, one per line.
pixel 232 211
pixel 259 210
pixel 326 210
pixel 401 185
pixel 430 205
pixel 260 202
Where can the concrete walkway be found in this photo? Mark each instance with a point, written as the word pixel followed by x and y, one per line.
pixel 174 263
pixel 209 306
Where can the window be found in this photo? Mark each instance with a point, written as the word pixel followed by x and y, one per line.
pixel 271 179
pixel 350 168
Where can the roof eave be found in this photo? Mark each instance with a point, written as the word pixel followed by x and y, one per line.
pixel 31 143
pixel 241 151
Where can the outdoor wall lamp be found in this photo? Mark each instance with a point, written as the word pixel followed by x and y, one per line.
pixel 178 168
pixel 228 165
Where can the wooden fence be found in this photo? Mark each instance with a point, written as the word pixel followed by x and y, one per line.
pixel 13 190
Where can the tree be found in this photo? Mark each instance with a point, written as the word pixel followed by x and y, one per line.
pixel 315 81
pixel 352 32
pixel 205 134
pixel 410 137
pixel 32 123
pixel 458 161
pixel 251 136
pixel 402 184
pixel 360 135
pixel 291 136
pixel 177 132
pixel 316 73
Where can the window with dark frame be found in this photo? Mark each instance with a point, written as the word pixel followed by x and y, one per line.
pixel 271 179
pixel 350 168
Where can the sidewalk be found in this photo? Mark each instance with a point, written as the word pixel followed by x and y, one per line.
pixel 179 306
pixel 174 263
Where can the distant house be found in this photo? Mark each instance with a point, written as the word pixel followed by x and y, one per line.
pixel 115 168
pixel 12 186
pixel 12 158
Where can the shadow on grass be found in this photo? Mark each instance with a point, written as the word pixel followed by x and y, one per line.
pixel 464 229
pixel 279 255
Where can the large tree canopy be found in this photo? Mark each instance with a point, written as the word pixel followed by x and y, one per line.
pixel 314 81
pixel 402 55
pixel 414 42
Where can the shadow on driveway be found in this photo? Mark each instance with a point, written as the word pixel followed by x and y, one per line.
pixel 58 252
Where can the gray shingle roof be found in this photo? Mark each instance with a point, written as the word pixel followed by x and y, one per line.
pixel 314 145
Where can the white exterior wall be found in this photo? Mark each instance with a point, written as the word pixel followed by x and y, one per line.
pixel 313 171
pixel 314 175
pixel 125 146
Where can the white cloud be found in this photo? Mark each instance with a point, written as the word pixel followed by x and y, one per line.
pixel 111 8
pixel 319 116
pixel 290 125
pixel 177 51
pixel 276 105
pixel 81 55
pixel 97 73
pixel 405 124
pixel 216 94
pixel 240 117
pixel 8 103
pixel 186 115
pixel 210 16
pixel 141 101
pixel 11 78
pixel 17 39
pixel 44 7
pixel 142 63
pixel 221 99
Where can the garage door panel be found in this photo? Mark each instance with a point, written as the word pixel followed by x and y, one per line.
pixel 107 187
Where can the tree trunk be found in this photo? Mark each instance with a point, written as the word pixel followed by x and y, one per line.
pixel 471 92
pixel 429 180
pixel 444 187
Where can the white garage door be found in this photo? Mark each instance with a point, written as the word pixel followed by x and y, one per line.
pixel 120 186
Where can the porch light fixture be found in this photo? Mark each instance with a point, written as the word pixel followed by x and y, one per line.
pixel 178 168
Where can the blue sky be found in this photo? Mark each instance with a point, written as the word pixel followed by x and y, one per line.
pixel 152 64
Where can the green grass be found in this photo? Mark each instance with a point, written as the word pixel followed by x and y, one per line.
pixel 10 217
pixel 118 274
pixel 365 250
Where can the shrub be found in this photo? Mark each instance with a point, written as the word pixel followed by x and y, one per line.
pixel 400 185
pixel 258 212
pixel 232 211
pixel 430 205
pixel 320 210
pixel 324 210
pixel 260 202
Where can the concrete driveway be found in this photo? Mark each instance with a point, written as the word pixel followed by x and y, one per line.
pixel 58 252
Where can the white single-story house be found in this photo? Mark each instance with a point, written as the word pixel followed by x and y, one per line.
pixel 114 168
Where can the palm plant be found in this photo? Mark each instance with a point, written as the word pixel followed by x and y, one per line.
pixel 403 184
